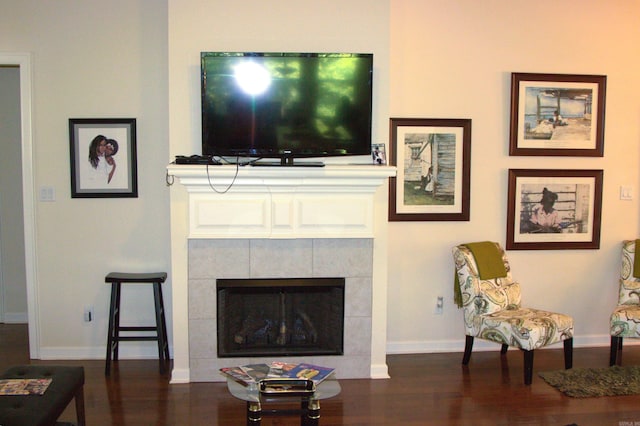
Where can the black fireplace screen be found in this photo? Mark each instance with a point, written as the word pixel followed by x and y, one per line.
pixel 280 317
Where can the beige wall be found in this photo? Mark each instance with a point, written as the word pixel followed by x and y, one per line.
pixel 454 59
pixel 434 58
pixel 94 59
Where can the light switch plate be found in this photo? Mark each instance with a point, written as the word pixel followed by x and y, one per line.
pixel 47 193
pixel 626 193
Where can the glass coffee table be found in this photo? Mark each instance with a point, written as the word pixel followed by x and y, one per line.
pixel 309 410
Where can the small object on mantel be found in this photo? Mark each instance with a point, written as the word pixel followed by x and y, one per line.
pixel 196 159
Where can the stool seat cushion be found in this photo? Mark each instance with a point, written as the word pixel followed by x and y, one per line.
pixel 136 277
pixel 40 410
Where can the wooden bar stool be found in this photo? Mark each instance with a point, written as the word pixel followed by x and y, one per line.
pixel 160 329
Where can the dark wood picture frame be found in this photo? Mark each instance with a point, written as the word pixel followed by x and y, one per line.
pixel 557 115
pixel 570 219
pixel 433 159
pixel 103 157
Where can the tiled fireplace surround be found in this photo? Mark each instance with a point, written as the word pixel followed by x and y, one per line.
pixel 275 223
pixel 267 258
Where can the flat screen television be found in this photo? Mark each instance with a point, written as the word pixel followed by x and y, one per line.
pixel 286 105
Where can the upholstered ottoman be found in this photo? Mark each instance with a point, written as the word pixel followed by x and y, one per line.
pixel 43 410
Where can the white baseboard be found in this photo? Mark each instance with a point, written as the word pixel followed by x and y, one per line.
pixel 126 351
pixel 379 371
pixel 180 376
pixel 16 318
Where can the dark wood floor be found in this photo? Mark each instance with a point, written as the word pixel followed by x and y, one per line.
pixel 425 389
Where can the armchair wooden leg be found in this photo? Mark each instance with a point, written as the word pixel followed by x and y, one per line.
pixel 615 357
pixel 528 367
pixel 504 349
pixel 468 346
pixel 568 353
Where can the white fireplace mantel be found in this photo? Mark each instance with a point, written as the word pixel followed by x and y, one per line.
pixel 334 201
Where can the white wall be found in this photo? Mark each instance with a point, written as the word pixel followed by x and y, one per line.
pixel 454 59
pixel 94 59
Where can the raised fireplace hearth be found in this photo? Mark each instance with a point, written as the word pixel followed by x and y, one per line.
pixel 280 317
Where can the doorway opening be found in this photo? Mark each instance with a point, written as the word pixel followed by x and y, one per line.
pixel 23 62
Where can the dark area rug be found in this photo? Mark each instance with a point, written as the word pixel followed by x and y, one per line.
pixel 591 382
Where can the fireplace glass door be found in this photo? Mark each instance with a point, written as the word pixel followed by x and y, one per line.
pixel 280 317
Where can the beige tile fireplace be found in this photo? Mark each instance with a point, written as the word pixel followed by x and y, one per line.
pixel 275 222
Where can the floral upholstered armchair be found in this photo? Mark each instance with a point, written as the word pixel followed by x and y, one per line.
pixel 490 298
pixel 625 319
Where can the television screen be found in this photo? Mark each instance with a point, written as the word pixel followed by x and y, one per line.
pixel 286 104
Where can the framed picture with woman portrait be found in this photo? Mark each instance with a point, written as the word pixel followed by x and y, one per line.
pixel 554 209
pixel 103 157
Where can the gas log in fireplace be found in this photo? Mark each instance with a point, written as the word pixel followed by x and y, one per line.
pixel 280 317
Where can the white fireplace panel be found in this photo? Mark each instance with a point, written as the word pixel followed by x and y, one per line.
pixel 336 214
pixel 281 216
pixel 229 216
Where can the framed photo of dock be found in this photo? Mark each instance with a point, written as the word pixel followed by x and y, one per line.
pixel 433 160
pixel 557 115
pixel 554 209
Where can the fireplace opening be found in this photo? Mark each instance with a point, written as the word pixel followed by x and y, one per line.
pixel 280 317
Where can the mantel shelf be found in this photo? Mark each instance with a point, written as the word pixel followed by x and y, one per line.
pixel 335 201
pixel 200 177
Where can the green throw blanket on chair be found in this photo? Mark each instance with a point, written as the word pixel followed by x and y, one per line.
pixel 636 261
pixel 490 265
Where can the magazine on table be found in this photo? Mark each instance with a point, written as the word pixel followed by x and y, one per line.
pixel 254 373
pixel 279 369
pixel 313 372
pixel 237 374
pixel 24 386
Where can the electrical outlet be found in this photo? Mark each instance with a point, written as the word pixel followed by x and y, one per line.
pixel 88 313
pixel 439 305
